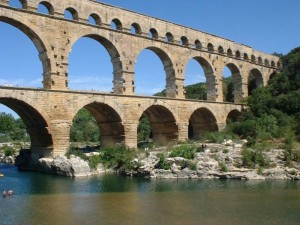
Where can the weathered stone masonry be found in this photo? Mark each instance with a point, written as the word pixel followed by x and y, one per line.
pixel 49 112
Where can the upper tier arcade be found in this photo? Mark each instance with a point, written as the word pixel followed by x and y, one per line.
pixel 125 34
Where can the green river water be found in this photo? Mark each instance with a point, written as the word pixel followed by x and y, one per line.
pixel 41 199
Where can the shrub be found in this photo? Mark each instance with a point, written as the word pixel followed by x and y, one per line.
pixel 76 152
pixel 162 164
pixel 8 150
pixel 192 166
pixel 94 161
pixel 260 170
pixel 225 151
pixel 250 158
pixel 223 167
pixel 119 157
pixel 186 151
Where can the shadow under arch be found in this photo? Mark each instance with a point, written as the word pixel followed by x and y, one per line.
pixel 237 82
pixel 255 80
pixel 36 125
pixel 209 75
pixel 168 67
pixel 110 124
pixel 115 59
pixel 163 124
pixel 38 43
pixel 233 116
pixel 202 120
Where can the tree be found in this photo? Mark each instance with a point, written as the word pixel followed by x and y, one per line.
pixel 84 128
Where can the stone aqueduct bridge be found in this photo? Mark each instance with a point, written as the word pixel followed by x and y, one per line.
pixel 48 112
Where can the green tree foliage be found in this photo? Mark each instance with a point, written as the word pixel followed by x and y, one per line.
pixel 196 91
pixel 12 129
pixel 144 129
pixel 6 122
pixel 228 89
pixel 274 111
pixel 84 128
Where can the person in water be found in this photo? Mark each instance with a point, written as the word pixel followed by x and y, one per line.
pixel 10 192
pixel 3 194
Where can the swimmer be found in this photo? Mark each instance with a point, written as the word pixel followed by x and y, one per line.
pixel 10 192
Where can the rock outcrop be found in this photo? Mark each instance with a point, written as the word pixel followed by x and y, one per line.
pixel 216 161
pixel 59 165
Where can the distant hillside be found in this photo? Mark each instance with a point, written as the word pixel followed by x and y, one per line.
pixel 193 91
pixel 199 91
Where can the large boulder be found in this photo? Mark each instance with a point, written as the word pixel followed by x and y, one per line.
pixel 59 165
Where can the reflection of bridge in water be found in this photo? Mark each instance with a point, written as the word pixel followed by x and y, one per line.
pixel 48 112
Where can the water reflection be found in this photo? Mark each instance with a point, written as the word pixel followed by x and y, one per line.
pixel 110 199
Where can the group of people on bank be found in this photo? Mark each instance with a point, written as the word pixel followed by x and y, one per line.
pixel 9 193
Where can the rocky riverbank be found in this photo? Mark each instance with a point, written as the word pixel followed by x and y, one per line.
pixel 213 161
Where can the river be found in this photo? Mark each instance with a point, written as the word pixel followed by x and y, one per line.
pixel 41 199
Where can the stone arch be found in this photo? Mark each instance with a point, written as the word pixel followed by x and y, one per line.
pixel 238 54
pixel 48 6
pixel 229 52
pixel 253 58
pixel 233 116
pixel 201 120
pixel 136 29
pixel 96 19
pixel 237 82
pixel 209 75
pixel 279 64
pixel 198 44
pixel 267 63
pixel 169 37
pixel 110 123
pixel 73 13
pixel 168 67
pixel 38 40
pixel 272 63
pixel 260 61
pixel 163 124
pixel 116 24
pixel 255 80
pixel 210 47
pixel 220 50
pixel 115 58
pixel 37 124
pixel 23 3
pixel 271 77
pixel 246 57
pixel 153 33
pixel 184 41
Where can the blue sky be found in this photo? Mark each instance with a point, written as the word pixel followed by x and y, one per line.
pixel 266 25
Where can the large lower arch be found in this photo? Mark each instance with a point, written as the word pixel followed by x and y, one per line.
pixel 36 125
pixel 210 78
pixel 233 116
pixel 110 124
pixel 169 70
pixel 255 80
pixel 39 44
pixel 115 60
pixel 237 82
pixel 202 120
pixel 163 124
